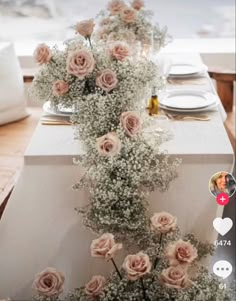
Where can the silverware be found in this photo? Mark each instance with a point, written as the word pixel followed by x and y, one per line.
pixel 191 81
pixel 55 122
pixel 188 117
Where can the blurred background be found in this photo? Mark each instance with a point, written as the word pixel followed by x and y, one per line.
pixel 50 20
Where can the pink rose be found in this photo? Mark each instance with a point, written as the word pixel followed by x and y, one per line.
pixel 137 265
pixel 109 145
pixel 85 28
pixel 42 54
pixel 131 123
pixel 119 51
pixel 95 285
pixel 115 6
pixel 137 4
pixel 129 15
pixel 107 80
pixel 49 282
pixel 181 253
pixel 60 88
pixel 163 222
pixel 80 63
pixel 175 277
pixel 105 246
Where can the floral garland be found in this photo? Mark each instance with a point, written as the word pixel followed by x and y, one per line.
pixel 131 23
pixel 107 88
pixel 174 273
pixel 123 167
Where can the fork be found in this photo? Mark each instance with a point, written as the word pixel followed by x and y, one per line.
pixel 185 117
pixel 55 122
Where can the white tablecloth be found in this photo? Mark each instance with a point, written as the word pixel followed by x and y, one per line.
pixel 40 227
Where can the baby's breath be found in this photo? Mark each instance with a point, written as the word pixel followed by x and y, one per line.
pixel 119 185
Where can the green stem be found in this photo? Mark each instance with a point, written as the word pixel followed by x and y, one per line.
pixel 86 87
pixel 157 259
pixel 116 268
pixel 90 43
pixel 144 291
pixel 73 80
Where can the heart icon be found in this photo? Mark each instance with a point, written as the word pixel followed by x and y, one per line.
pixel 222 226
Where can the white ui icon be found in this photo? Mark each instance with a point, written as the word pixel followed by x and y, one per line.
pixel 222 269
pixel 222 226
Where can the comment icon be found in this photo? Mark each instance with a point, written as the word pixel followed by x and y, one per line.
pixel 222 269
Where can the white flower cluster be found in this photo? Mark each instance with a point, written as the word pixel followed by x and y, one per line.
pixel 106 85
pixel 121 184
pixel 132 23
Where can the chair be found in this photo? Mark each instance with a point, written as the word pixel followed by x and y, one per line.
pixel 225 87
pixel 12 96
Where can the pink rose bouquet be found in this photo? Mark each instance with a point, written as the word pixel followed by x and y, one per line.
pixel 175 277
pixel 137 4
pixel 49 282
pixel 95 285
pixel 137 265
pixel 85 28
pixel 115 6
pixel 163 222
pixel 181 253
pixel 42 54
pixel 80 63
pixel 131 123
pixel 122 18
pixel 109 145
pixel 119 51
pixel 107 80
pixel 105 246
pixel 60 88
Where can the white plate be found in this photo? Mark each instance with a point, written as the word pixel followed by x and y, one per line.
pixel 61 112
pixel 209 108
pixel 187 100
pixel 183 70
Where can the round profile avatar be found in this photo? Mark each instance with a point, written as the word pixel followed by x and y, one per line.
pixel 222 182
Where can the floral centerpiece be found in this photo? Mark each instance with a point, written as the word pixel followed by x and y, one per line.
pixel 81 71
pixel 131 23
pixel 105 84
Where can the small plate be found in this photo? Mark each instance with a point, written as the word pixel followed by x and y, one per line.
pixel 183 70
pixel 61 111
pixel 187 99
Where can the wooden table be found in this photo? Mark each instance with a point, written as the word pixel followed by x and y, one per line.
pixel 14 138
pixel 225 86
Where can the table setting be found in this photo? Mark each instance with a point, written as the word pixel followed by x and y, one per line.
pixel 106 203
pixel 61 116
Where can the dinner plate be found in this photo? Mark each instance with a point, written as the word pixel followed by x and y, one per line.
pixel 187 99
pixel 209 108
pixel 62 111
pixel 184 70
